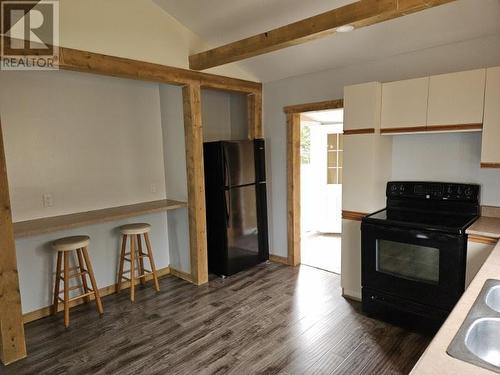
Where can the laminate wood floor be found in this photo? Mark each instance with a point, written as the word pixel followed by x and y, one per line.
pixel 271 319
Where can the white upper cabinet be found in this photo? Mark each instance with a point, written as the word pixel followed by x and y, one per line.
pixel 404 103
pixel 490 154
pixel 456 98
pixel 362 105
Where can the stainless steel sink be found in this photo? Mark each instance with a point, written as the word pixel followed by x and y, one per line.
pixel 493 298
pixel 478 339
pixel 483 340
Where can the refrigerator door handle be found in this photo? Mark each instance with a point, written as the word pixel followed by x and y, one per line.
pixel 227 206
pixel 225 167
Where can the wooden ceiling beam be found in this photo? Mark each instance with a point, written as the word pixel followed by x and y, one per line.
pixel 359 14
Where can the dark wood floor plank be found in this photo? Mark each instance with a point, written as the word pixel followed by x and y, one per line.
pixel 271 319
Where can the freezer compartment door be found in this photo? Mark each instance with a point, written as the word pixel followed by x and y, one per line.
pixel 239 163
pixel 242 228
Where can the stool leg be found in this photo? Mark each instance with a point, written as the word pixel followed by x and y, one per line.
pixel 92 281
pixel 66 289
pixel 132 269
pixel 141 260
pixel 81 265
pixel 55 306
pixel 152 262
pixel 122 259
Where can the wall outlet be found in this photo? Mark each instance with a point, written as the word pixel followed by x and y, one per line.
pixel 153 188
pixel 48 200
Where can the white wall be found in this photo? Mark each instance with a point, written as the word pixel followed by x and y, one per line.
pixel 174 152
pixel 92 142
pixel 223 115
pixel 136 29
pixel 329 85
pixel 451 157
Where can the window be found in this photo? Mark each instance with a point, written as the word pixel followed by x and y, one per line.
pixel 305 144
pixel 335 156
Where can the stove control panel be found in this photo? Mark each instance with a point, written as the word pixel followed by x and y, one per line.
pixel 433 191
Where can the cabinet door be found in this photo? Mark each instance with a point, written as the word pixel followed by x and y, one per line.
pixel 456 98
pixel 477 253
pixel 362 104
pixel 404 103
pixel 490 154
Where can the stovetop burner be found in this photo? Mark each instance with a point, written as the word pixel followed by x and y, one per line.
pixel 435 206
pixel 433 221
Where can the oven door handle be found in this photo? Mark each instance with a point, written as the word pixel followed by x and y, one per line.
pixel 422 237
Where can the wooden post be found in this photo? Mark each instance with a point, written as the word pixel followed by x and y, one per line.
pixel 293 191
pixel 196 182
pixel 254 114
pixel 12 343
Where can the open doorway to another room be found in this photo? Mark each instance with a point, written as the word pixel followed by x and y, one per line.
pixel 321 156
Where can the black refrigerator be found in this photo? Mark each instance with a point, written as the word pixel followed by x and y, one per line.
pixel 236 205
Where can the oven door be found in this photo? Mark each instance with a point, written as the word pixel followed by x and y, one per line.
pixel 421 266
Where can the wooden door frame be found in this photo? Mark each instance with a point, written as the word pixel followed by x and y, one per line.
pixel 293 171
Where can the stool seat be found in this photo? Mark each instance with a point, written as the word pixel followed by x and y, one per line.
pixel 136 228
pixel 71 243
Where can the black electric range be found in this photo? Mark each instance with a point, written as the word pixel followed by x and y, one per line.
pixel 414 251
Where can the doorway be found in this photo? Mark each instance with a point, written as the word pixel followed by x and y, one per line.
pixel 321 158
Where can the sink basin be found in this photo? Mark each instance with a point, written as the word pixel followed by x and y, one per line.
pixel 493 298
pixel 478 339
pixel 483 340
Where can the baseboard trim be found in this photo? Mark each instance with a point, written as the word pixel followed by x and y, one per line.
pixel 105 291
pixel 181 275
pixel 279 259
pixel 350 294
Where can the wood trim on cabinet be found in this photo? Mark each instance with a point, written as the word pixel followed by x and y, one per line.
pixel 358 14
pixel 433 128
pixel 105 291
pixel 63 222
pixel 482 239
pixel 359 131
pixel 353 215
pixel 12 341
pixel 293 187
pixel 278 259
pixel 317 106
pixel 406 129
pixel 490 165
pixel 193 134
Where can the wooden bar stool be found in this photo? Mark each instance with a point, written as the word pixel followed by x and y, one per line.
pixel 136 255
pixel 64 247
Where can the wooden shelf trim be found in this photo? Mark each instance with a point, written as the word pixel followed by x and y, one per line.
pixel 56 223
pixel 482 239
pixel 433 128
pixel 359 131
pixel 490 165
pixel 353 215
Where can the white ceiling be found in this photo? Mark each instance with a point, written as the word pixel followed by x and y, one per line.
pixel 222 21
pixel 328 116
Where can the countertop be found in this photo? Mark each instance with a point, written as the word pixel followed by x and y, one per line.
pixel 486 226
pixel 435 360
